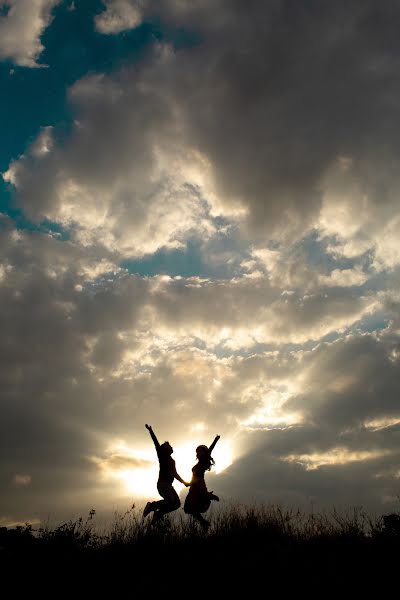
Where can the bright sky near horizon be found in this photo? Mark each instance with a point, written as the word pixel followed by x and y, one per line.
pixel 199 229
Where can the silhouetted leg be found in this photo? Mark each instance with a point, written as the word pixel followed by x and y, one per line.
pixel 157 516
pixel 170 500
pixel 148 508
pixel 203 522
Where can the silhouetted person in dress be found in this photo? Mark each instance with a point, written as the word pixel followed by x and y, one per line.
pixel 166 478
pixel 199 498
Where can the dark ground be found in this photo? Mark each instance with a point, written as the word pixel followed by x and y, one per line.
pixel 251 551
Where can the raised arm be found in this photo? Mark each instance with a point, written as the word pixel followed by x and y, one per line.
pixel 211 448
pixel 153 437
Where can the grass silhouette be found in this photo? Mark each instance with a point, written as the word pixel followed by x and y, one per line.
pixel 247 548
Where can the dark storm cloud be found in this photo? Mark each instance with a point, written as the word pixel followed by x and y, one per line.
pixel 342 486
pixel 276 91
pixel 53 415
pixel 364 469
pixel 349 400
pixel 352 380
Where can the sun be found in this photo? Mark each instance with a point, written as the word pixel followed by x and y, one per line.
pixel 141 483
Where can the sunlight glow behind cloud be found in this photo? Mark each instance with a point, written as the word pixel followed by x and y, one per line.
pixel 336 456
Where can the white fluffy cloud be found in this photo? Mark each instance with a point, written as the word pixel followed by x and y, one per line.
pixel 127 178
pixel 21 27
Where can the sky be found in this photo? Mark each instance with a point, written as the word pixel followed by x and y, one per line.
pixel 199 230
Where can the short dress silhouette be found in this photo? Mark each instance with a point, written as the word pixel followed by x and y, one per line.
pixel 198 499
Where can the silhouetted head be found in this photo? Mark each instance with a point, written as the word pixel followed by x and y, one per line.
pixel 204 457
pixel 166 448
pixel 202 451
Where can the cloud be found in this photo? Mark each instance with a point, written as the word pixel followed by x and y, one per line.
pixel 246 311
pixel 344 278
pixel 359 367
pixel 360 212
pixel 139 191
pixel 282 116
pixel 343 449
pixel 273 136
pixel 48 330
pixel 83 368
pixel 368 483
pixel 119 15
pixel 309 265
pixel 271 143
pixel 21 28
pixel 122 15
pixel 22 480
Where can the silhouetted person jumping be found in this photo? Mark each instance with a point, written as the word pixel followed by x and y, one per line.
pixel 166 478
pixel 199 498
